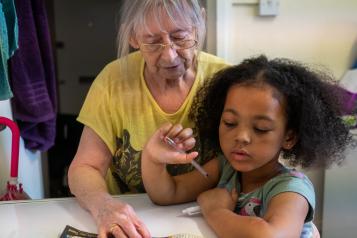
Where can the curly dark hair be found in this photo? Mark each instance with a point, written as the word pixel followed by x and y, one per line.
pixel 314 107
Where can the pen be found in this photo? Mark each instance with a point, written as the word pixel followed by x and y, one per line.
pixel 192 210
pixel 172 143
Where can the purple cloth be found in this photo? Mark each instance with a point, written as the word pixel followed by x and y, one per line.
pixel 32 77
pixel 350 103
pixel 347 98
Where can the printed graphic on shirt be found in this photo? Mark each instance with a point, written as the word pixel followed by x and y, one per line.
pixel 297 174
pixel 251 208
pixel 127 166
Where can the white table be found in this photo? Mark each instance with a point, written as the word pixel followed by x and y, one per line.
pixel 48 217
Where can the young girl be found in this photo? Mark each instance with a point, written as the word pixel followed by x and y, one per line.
pixel 248 116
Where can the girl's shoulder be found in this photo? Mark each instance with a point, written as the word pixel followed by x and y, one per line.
pixel 292 173
pixel 290 180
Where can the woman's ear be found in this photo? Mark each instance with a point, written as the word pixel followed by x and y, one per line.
pixel 290 140
pixel 134 43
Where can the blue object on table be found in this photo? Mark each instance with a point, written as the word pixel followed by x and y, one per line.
pixel 354 66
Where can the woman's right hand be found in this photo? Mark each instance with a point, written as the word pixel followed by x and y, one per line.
pixel 118 219
pixel 160 152
pixel 86 178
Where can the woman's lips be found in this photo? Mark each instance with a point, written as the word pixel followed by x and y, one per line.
pixel 171 67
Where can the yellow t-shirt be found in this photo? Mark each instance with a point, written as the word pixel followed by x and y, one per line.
pixel 121 110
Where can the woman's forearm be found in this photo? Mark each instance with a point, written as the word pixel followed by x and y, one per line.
pixel 89 191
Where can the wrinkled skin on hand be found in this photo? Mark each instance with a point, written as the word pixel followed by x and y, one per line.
pixel 113 212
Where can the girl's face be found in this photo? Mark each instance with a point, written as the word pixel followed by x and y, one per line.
pixel 252 129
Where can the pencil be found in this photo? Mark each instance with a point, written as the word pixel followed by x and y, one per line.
pixel 172 143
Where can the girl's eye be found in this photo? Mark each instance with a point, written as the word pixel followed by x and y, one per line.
pixel 261 131
pixel 229 124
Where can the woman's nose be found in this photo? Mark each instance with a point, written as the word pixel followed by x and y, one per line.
pixel 169 52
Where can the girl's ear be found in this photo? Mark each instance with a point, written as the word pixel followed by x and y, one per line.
pixel 290 140
pixel 134 43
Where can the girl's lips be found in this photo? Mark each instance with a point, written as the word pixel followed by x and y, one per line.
pixel 240 155
pixel 240 151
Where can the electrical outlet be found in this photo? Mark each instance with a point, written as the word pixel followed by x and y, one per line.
pixel 268 7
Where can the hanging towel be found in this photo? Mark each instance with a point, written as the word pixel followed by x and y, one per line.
pixel 8 43
pixel 33 77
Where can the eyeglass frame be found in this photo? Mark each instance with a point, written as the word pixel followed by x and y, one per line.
pixel 172 44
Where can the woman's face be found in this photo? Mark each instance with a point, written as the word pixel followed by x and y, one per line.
pixel 169 63
pixel 252 130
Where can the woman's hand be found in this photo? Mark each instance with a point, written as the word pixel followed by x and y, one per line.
pixel 217 198
pixel 158 151
pixel 119 219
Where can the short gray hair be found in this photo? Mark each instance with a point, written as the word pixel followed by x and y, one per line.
pixel 181 12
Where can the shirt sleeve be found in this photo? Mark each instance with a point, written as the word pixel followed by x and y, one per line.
pixel 95 112
pixel 297 182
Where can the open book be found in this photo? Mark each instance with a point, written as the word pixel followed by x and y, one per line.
pixel 71 232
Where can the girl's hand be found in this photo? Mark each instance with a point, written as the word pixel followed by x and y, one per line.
pixel 160 152
pixel 217 198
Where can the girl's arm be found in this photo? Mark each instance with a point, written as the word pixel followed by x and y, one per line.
pixel 284 218
pixel 163 188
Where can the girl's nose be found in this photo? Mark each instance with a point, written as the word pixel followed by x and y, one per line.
pixel 242 137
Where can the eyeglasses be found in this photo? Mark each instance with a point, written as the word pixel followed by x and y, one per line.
pixel 177 45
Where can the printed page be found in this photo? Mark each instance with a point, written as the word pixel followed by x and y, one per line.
pixel 71 232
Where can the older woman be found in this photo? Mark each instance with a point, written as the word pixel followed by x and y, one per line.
pixel 131 98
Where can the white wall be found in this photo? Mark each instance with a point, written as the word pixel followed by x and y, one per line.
pixel 30 169
pixel 318 31
pixel 322 32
